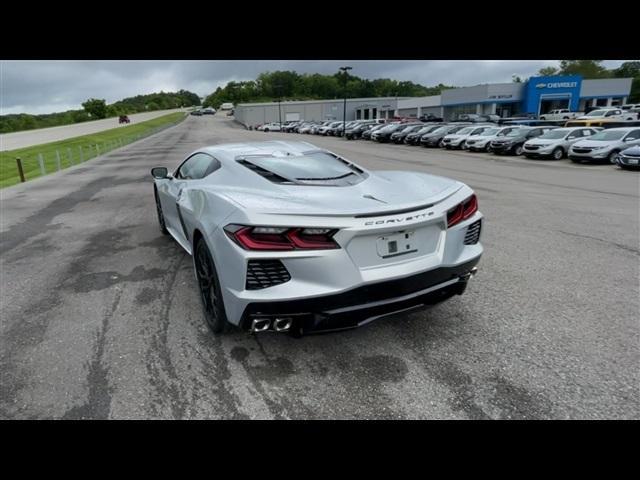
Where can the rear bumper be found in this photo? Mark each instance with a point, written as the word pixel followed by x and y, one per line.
pixel 361 305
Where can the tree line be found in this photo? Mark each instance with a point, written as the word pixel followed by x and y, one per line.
pixel 95 109
pixel 289 85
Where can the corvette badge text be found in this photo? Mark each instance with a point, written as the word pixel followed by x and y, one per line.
pixel 399 220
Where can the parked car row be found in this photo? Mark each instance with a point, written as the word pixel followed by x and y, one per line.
pixel 618 145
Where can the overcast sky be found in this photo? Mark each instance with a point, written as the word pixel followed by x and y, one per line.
pixel 55 86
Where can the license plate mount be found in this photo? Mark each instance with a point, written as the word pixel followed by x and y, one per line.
pixel 396 244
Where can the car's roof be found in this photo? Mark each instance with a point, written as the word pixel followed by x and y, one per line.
pixel 621 129
pixel 233 150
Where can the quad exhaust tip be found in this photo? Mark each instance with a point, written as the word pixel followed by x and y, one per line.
pixel 470 274
pixel 260 324
pixel 282 324
pixel 263 324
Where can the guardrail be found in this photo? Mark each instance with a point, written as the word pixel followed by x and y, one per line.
pixel 59 159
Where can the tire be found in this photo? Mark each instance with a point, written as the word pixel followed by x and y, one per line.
pixel 265 130
pixel 163 226
pixel 209 286
pixel 612 157
pixel 518 150
pixel 557 153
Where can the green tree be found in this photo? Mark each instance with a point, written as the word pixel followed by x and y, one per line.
pixel 95 107
pixel 547 71
pixel 585 68
pixel 630 70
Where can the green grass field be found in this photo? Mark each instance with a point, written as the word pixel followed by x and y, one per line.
pixel 75 150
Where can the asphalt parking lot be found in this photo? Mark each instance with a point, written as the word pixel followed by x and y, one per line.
pixel 101 316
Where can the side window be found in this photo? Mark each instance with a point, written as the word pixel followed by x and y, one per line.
pixel 633 135
pixel 197 166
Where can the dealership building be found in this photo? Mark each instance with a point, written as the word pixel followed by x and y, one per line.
pixel 538 95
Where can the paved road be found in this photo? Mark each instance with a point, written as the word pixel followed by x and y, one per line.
pixel 101 318
pixel 11 141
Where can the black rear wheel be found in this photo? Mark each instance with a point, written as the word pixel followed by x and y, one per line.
pixel 209 286
pixel 163 226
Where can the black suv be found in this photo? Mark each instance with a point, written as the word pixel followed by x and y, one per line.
pixel 512 142
pixel 433 138
pixel 400 135
pixel 384 134
pixel 414 137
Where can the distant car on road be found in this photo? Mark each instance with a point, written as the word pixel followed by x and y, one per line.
pixel 209 111
pixel 123 119
pixel 197 113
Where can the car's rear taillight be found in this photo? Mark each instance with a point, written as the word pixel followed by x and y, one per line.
pixel 462 211
pixel 282 238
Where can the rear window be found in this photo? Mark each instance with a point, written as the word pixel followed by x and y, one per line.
pixel 320 168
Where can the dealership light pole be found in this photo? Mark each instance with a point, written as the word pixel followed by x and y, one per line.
pixel 278 87
pixel 344 110
pixel 280 113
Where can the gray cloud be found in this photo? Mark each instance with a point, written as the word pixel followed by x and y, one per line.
pixel 53 86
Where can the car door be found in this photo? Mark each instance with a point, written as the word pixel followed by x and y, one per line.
pixel 632 138
pixel 192 169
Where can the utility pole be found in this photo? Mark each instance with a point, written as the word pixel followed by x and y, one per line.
pixel 344 110
pixel 278 88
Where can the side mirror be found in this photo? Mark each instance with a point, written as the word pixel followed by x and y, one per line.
pixel 159 173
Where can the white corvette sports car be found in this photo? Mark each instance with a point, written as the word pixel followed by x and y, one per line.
pixel 288 237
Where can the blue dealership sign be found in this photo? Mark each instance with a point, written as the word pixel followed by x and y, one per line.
pixel 552 87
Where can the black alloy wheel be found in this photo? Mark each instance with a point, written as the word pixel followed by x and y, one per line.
pixel 163 226
pixel 209 286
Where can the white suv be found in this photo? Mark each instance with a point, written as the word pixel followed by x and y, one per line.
pixel 556 143
pixel 482 142
pixel 605 144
